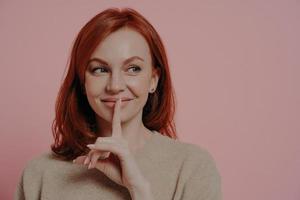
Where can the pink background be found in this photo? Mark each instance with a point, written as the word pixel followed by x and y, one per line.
pixel 235 68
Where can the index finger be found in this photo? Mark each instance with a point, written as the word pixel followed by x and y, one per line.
pixel 116 121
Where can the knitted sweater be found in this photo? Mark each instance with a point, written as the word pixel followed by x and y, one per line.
pixel 175 170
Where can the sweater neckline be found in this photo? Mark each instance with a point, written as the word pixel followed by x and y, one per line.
pixel 147 143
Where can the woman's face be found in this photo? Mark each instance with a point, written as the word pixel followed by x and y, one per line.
pixel 120 67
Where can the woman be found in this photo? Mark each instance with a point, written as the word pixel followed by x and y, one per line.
pixel 114 120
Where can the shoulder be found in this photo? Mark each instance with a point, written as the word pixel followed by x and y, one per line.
pixel 31 181
pixel 190 154
pixel 192 151
pixel 40 159
pixel 33 172
pixel 199 176
pixel 39 163
pixel 199 155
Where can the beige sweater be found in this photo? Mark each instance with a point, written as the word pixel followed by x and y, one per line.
pixel 175 170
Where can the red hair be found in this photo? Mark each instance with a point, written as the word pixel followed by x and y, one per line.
pixel 74 124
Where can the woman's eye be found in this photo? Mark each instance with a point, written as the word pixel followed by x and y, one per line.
pixel 136 68
pixel 100 69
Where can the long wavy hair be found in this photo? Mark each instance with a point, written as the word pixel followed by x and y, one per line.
pixel 74 124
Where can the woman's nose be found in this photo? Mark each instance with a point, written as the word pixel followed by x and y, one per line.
pixel 116 83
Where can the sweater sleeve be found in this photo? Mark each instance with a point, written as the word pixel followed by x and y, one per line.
pixel 19 192
pixel 30 183
pixel 200 179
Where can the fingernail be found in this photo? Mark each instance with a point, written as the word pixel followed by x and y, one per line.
pixel 86 161
pixel 107 154
pixel 90 145
pixel 89 167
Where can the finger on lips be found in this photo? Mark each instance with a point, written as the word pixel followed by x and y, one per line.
pixel 92 157
pixel 116 122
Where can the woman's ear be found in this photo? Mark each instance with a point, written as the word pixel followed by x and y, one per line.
pixel 154 79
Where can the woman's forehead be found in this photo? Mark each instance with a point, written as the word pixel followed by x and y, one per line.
pixel 121 45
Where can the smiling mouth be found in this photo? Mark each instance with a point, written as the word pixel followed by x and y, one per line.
pixel 111 104
pixel 115 101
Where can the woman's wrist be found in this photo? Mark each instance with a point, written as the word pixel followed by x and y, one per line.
pixel 142 192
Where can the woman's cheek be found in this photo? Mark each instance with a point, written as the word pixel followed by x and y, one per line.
pixel 139 84
pixel 95 87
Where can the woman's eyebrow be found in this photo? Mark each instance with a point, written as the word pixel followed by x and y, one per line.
pixel 128 60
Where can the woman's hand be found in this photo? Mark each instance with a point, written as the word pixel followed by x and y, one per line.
pixel 117 161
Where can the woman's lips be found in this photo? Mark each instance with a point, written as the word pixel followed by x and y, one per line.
pixel 111 104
